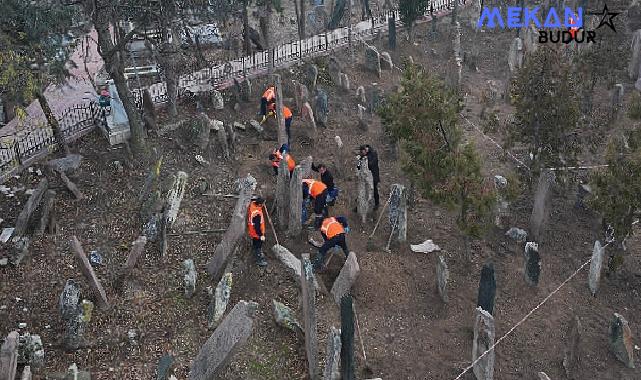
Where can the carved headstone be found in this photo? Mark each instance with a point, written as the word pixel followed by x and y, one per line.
pixel 311 76
pixel 621 342
pixel 295 202
pixel 487 288
pixel 483 339
pixel 360 95
pixel 217 100
pixel 532 263
pixel 333 355
pixel 284 316
pixel 365 191
pixel 372 60
pixel 219 298
pixel 223 344
pixel 398 211
pixel 515 56
pixel 386 61
pixel 190 277
pixel 322 107
pixel 309 316
pixel 175 196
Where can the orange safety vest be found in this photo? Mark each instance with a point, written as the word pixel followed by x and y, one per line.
pixel 291 164
pixel 287 112
pixel 332 227
pixel 252 211
pixel 269 95
pixel 315 187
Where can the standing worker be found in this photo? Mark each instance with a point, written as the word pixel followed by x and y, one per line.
pixel 368 152
pixel 256 227
pixel 328 179
pixel 287 114
pixel 317 191
pixel 333 231
pixel 268 102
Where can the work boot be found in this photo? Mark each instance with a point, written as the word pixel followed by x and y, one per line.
pixel 318 221
pixel 261 261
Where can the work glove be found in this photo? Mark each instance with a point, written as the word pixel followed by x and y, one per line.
pixel 262 238
pixel 347 230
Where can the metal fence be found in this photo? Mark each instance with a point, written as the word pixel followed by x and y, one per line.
pixel 33 141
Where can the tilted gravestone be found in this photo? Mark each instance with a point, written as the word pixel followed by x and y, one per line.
pixel 442 277
pixel 190 277
pixel 487 288
pixel 333 355
pixel 621 342
pixel 386 61
pixel 484 334
pixel 398 211
pixel 532 264
pixel 348 367
pixel 219 298
pixel 346 278
pixel 541 198
pixel 572 352
pixel 226 340
pixel 309 316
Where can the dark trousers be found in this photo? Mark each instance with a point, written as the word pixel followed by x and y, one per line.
pixel 275 168
pixel 320 203
pixel 257 248
pixel 288 124
pixel 376 200
pixel 336 241
pixel 263 106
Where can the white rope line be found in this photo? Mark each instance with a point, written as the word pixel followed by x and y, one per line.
pixel 525 318
pixel 495 143
pixel 577 167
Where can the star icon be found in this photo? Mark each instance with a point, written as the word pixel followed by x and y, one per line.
pixel 606 17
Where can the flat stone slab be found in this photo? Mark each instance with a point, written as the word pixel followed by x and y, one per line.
pixel 427 246
pixel 223 344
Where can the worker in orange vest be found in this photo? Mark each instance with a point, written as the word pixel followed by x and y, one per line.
pixel 287 114
pixel 333 230
pixel 268 102
pixel 256 228
pixel 317 191
pixel 279 154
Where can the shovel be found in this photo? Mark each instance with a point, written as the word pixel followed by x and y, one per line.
pixel 370 244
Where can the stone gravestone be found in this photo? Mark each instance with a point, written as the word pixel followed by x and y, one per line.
pixel 386 61
pixel 164 365
pixel 532 265
pixel 295 202
pixel 90 275
pixel 346 278
pixel 311 74
pixel 70 311
pixel 360 95
pixel 595 267
pixel 284 317
pixel 483 340
pixel 541 198
pixel 301 95
pixel 347 339
pixel 617 96
pixel 217 100
pixel 246 90
pixel 374 97
pixel 31 351
pixel 219 300
pixel 621 340
pixel 226 340
pixel 442 276
pixel 515 56
pixel 345 82
pixel 487 288
pixel 9 357
pixel 635 56
pixel 322 107
pixel 543 376
pixel 335 69
pixel 572 352
pixel 190 277
pixel 391 22
pixel 372 60
pixel 398 211
pixel 309 316
pixel 333 355
pixel 365 191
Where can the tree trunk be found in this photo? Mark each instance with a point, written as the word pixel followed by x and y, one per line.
pixel 246 40
pixel 454 12
pixel 53 122
pixel 116 71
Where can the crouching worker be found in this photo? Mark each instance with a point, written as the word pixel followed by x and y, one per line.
pixel 279 154
pixel 328 179
pixel 268 103
pixel 333 231
pixel 317 191
pixel 256 228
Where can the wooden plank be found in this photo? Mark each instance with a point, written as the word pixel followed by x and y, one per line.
pixel 90 275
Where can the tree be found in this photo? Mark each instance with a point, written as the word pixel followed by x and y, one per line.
pixel 33 54
pixel 410 11
pixel 423 117
pixel 547 110
pixel 617 189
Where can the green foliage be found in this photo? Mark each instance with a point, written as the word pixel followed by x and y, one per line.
pixel 634 110
pixel 412 10
pixel 423 118
pixel 547 109
pixel 617 189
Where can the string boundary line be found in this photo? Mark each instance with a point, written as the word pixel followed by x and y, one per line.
pixel 525 318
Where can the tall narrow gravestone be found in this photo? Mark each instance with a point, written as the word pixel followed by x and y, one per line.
pixel 541 199
pixel 309 316
pixel 595 267
pixel 442 276
pixel 398 211
pixel 532 264
pixel 483 340
pixel 621 340
pixel 487 288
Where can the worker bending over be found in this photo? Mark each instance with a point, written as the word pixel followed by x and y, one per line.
pixel 268 102
pixel 328 179
pixel 256 228
pixel 287 114
pixel 317 191
pixel 333 231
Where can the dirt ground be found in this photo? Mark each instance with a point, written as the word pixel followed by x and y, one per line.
pixel 407 332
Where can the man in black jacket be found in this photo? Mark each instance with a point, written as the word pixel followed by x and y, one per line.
pixel 328 179
pixel 368 152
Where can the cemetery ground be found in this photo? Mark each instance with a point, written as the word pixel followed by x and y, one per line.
pixel 407 331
